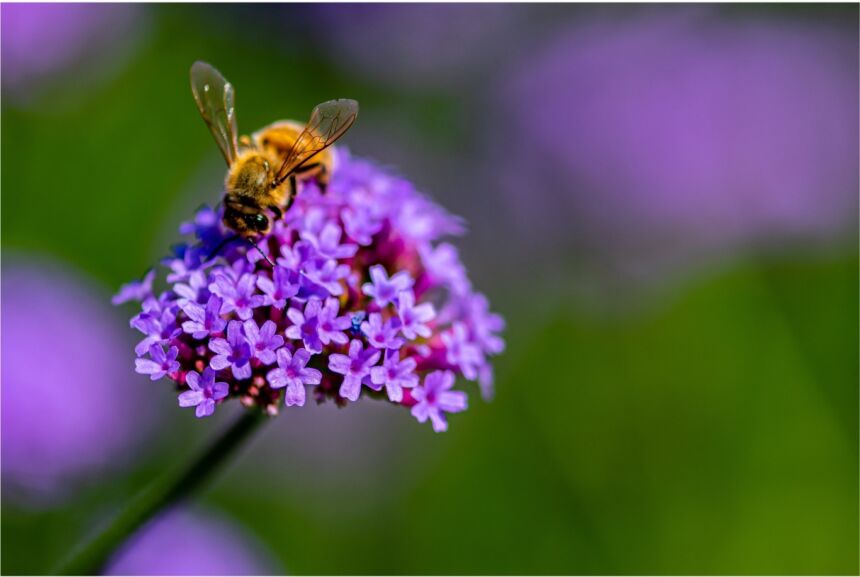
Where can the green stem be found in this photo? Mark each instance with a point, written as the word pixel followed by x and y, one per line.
pixel 92 557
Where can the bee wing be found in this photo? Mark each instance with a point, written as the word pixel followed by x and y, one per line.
pixel 329 121
pixel 215 99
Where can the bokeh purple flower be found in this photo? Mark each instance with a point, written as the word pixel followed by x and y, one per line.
pixel 350 307
pixel 72 410
pixel 192 542
pixel 417 45
pixel 655 141
pixel 43 42
pixel 414 319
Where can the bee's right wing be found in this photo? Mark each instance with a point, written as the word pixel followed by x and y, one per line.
pixel 329 121
pixel 215 99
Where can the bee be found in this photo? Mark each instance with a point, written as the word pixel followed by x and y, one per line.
pixel 263 170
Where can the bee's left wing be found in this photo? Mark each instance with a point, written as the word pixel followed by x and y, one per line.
pixel 329 121
pixel 215 99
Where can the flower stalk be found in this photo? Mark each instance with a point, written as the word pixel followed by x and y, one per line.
pixel 93 556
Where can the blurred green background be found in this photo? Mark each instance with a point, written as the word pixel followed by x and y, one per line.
pixel 704 422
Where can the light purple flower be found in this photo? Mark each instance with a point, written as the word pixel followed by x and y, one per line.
pixel 728 133
pixel 382 335
pixel 297 256
pixel 47 46
pixel 71 410
pixel 283 286
pixel 262 340
pixel 157 323
pixel 443 265
pixel 233 352
pixel 421 46
pixel 384 290
pixel 292 372
pixel 327 244
pixel 135 290
pixel 461 351
pixel 238 296
pixel 204 392
pixel 355 368
pixel 328 275
pixel 486 381
pixel 191 541
pixel 331 326
pixel 305 325
pixel 414 319
pixel 186 261
pixel 361 224
pixel 424 220
pixel 196 290
pixel 484 324
pixel 204 321
pixel 435 398
pixel 395 374
pixel 159 363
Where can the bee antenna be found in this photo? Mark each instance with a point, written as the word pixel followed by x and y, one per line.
pixel 254 244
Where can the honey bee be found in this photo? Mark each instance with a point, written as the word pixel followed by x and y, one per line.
pixel 263 170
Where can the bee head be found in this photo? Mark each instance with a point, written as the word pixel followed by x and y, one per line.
pixel 246 224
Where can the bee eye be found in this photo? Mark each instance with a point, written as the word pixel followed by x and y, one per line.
pixel 257 222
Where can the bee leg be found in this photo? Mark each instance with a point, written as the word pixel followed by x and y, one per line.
pixel 293 191
pixel 322 179
pixel 322 174
pixel 276 210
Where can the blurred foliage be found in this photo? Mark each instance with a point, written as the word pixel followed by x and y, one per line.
pixel 713 432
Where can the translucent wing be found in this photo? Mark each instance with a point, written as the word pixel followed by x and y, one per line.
pixel 215 101
pixel 329 121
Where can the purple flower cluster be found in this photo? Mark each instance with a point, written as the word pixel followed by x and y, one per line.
pixel 363 299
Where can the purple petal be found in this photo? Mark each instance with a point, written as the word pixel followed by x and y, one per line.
pixel 191 398
pixel 205 409
pixel 219 362
pixel 294 395
pixel 311 376
pixel 339 363
pixel 220 347
pixel 277 378
pixel 220 390
pixel 193 380
pixel 242 372
pixel 351 388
